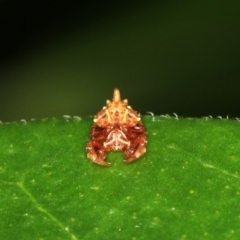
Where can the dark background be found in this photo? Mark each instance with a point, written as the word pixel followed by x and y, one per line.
pixel 66 57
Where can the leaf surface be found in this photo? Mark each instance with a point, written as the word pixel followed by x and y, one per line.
pixel 187 185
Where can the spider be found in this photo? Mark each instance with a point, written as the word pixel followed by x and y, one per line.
pixel 117 127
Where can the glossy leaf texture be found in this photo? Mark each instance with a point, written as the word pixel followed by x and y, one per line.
pixel 187 185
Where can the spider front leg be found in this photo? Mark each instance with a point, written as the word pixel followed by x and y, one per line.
pixel 138 144
pixel 95 150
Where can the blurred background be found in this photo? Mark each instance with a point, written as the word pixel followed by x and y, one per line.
pixel 66 57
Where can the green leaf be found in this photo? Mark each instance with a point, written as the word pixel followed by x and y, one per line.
pixel 187 185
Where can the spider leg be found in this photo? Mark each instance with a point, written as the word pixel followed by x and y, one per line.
pixel 136 149
pixel 97 153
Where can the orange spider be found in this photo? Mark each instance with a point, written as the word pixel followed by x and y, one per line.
pixel 117 127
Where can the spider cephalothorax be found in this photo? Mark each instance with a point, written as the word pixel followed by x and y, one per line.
pixel 117 127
